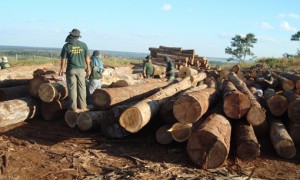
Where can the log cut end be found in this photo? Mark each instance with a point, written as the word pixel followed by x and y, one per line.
pixel 294 111
pixel 46 92
pixel 163 136
pixel 34 85
pixel 71 118
pixel 236 105
pixel 186 108
pixel 288 85
pixel 206 150
pixel 101 99
pixel 286 148
pixel 131 119
pixel 84 121
pixel 181 132
pixel 248 150
pixel 277 105
pixel 256 115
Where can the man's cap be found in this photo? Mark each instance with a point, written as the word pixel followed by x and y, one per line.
pixel 4 59
pixel 75 33
pixel 96 53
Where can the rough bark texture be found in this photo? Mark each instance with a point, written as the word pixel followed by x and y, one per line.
pixel 186 71
pixel 285 83
pixel 281 140
pixel 294 77
pixel 107 97
pixel 54 110
pixel 257 114
pixel 236 104
pixel 294 105
pixel 209 144
pixel 180 132
pixel 90 120
pixel 137 116
pixel 49 92
pixel 294 131
pixel 13 92
pixel 276 103
pixel 246 141
pixel 13 82
pixel 34 85
pixel 162 135
pixel 17 110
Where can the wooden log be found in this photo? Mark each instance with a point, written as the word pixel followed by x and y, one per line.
pixel 34 85
pixel 189 107
pixel 55 91
pixel 105 98
pixel 137 116
pixel 208 146
pixel 294 105
pixel 18 110
pixel 281 140
pixel 294 77
pixel 246 141
pixel 236 68
pixel 235 103
pixel 13 82
pixel 53 110
pixel 285 83
pixel 90 120
pixel 256 114
pixel 119 83
pixel 294 132
pixel 186 71
pixel 180 132
pixel 13 92
pixel 171 48
pixel 71 118
pixel 173 57
pixel 276 103
pixel 162 135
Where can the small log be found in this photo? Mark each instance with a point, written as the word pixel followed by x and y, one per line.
pixel 186 71
pixel 13 92
pixel 13 82
pixel 294 131
pixel 90 120
pixel 208 146
pixel 294 105
pixel 18 110
pixel 246 141
pixel 276 103
pixel 285 83
pixel 294 77
pixel 54 109
pixel 49 92
pixel 281 140
pixel 72 116
pixel 162 135
pixel 119 83
pixel 236 68
pixel 257 114
pixel 34 85
pixel 137 116
pixel 236 104
pixel 180 132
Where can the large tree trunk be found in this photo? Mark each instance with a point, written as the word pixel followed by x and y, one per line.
pixel 137 116
pixel 18 110
pixel 180 132
pixel 281 140
pixel 294 131
pixel 294 77
pixel 285 83
pixel 209 144
pixel 276 103
pixel 294 105
pixel 13 92
pixel 13 82
pixel 54 109
pixel 257 114
pixel 246 141
pixel 189 107
pixel 35 83
pixel 107 97
pixel 236 104
pixel 49 92
pixel 90 119
pixel 162 135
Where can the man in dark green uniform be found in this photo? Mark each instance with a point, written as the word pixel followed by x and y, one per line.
pixel 76 54
pixel 170 74
pixel 148 69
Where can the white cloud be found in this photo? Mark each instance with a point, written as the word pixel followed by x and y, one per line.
pixel 166 7
pixel 289 15
pixel 265 26
pixel 286 26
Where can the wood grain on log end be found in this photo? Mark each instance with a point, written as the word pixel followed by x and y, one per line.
pixel 34 85
pixel 46 92
pixel 101 98
pixel 256 115
pixel 131 119
pixel 84 121
pixel 286 149
pixel 163 136
pixel 248 150
pixel 236 105
pixel 288 85
pixel 181 132
pixel 71 118
pixel 277 105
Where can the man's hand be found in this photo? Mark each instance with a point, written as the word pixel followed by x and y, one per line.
pixel 60 73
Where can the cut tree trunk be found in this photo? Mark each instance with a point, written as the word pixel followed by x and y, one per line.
pixel 281 140
pixel 49 92
pixel 108 97
pixel 162 135
pixel 18 110
pixel 71 118
pixel 190 106
pixel 294 105
pixel 257 114
pixel 209 144
pixel 236 104
pixel 54 109
pixel 13 82
pixel 186 71
pixel 246 141
pixel 294 77
pixel 90 120
pixel 35 83
pixel 285 83
pixel 294 131
pixel 13 92
pixel 137 116
pixel 276 103
pixel 180 132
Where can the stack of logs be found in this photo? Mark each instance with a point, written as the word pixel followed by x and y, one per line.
pixel 202 109
pixel 181 57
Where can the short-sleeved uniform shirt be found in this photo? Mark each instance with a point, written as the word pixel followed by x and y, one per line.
pixel 149 68
pixel 76 54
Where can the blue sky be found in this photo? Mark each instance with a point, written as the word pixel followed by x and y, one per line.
pixel 136 25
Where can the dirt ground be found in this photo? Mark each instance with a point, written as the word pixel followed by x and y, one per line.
pixel 39 149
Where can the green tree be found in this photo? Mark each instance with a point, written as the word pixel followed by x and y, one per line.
pixel 241 47
pixel 296 37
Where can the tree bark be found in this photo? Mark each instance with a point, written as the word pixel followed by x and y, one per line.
pixel 294 77
pixel 294 131
pixel 256 114
pixel 54 109
pixel 180 132
pixel 105 98
pixel 246 141
pixel 294 105
pixel 18 110
pixel 162 135
pixel 137 116
pixel 276 103
pixel 90 120
pixel 281 140
pixel 49 92
pixel 236 104
pixel 285 83
pixel 186 71
pixel 208 146
pixel 13 82
pixel 13 92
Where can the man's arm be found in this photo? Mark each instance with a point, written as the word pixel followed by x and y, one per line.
pixel 62 66
pixel 88 68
